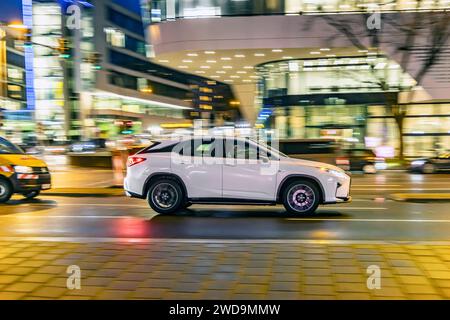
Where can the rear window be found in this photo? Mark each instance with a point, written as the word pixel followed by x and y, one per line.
pixel 155 147
pixel 306 147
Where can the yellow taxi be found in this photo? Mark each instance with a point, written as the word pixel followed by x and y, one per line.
pixel 21 173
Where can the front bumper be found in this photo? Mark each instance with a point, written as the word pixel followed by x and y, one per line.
pixel 31 182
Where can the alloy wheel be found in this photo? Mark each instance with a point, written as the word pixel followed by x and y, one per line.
pixel 301 197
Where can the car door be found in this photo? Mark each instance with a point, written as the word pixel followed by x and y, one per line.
pixel 246 173
pixel 195 163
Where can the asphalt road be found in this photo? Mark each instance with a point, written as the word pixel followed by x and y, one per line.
pixel 371 216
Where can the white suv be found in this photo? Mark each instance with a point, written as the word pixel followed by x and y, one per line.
pixel 174 174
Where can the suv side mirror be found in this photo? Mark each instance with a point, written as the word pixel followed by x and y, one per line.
pixel 263 159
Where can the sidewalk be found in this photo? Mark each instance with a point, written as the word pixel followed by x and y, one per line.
pixel 162 269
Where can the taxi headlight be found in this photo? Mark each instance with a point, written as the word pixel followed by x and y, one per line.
pixel 417 163
pixel 23 169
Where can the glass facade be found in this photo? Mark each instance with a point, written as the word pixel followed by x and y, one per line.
pixel 48 71
pixel 347 98
pixel 187 9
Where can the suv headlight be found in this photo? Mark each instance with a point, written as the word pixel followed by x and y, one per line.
pixel 336 173
pixel 418 163
pixel 23 169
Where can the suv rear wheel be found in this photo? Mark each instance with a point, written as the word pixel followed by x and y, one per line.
pixel 6 190
pixel 301 197
pixel 165 196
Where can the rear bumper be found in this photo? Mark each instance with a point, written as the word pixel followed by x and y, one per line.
pixel 31 182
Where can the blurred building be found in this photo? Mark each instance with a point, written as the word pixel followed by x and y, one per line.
pixel 13 94
pixel 313 68
pixel 94 76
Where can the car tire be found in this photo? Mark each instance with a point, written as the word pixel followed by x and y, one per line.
pixel 32 194
pixel 428 168
pixel 165 196
pixel 369 169
pixel 6 190
pixel 301 197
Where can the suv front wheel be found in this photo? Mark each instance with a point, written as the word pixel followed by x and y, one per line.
pixel 301 197
pixel 165 196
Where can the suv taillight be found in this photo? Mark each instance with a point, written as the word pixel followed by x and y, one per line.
pixel 134 160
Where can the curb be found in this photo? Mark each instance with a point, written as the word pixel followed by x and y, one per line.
pixel 85 192
pixel 420 196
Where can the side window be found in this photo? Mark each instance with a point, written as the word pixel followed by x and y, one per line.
pixel 240 149
pixel 198 148
pixel 203 148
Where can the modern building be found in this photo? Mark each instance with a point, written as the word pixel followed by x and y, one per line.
pixel 13 98
pixel 120 90
pixel 87 71
pixel 319 68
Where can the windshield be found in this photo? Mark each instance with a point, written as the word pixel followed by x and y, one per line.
pixel 271 149
pixel 7 147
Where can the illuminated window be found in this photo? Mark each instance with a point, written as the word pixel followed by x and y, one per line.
pixel 115 37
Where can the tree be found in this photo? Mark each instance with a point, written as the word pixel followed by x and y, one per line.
pixel 417 40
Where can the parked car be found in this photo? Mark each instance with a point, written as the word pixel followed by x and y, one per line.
pixel 432 165
pixel 322 150
pixel 363 160
pixel 21 173
pixel 174 174
pixel 88 146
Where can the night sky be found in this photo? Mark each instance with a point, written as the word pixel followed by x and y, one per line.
pixel 10 10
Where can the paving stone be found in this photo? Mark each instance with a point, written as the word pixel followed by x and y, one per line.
pixel 6 279
pixel 37 277
pixel 53 270
pixel 419 289
pixel 317 272
pixel 352 287
pixel 387 291
pixel 346 269
pixel 19 271
pixel 285 277
pixel 250 288
pixel 354 296
pixel 91 291
pixel 408 271
pixel 34 263
pixel 318 280
pixel 350 278
pixel 113 295
pixel 284 286
pixel 254 279
pixel 414 280
pixel 319 290
pixel 186 287
pixel 22 287
pixel 424 297
pixel 146 293
pixel 11 295
pixel 49 292
pixel 123 285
